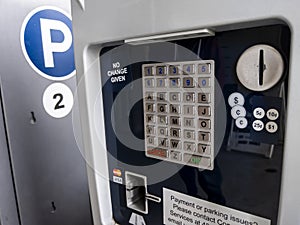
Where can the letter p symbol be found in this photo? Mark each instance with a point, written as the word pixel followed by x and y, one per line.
pixel 50 47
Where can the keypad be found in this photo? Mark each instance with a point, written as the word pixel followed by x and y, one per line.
pixel 179 112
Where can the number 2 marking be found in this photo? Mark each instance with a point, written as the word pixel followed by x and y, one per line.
pixel 160 70
pixel 58 105
pixel 58 100
pixel 174 70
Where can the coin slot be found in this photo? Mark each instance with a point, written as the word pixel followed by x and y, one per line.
pixel 261 67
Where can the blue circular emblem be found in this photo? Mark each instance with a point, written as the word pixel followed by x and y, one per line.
pixel 47 42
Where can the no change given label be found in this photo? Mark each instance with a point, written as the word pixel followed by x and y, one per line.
pixel 181 209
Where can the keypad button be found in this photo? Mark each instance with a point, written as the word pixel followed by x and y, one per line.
pixel 162 108
pixel 204 136
pixel 150 130
pixel 173 70
pixel 188 110
pixel 175 97
pixel 189 134
pixel 161 83
pixel 150 107
pixel 258 125
pixel 149 96
pixel 203 82
pixel 175 144
pixel 148 71
pixel 271 127
pixel 241 122
pixel 204 149
pixel 197 160
pixel 158 152
pixel 204 111
pixel 162 131
pixel 204 124
pixel 175 109
pixel 204 98
pixel 238 111
pixel 174 155
pixel 151 141
pixel 163 142
pixel 161 96
pixel 188 82
pixel 163 120
pixel 175 132
pixel 272 114
pixel 236 99
pixel 188 69
pixel 204 68
pixel 188 122
pixel 189 146
pixel 150 118
pixel 149 83
pixel 174 82
pixel 189 97
pixel 161 70
pixel 175 121
pixel 259 113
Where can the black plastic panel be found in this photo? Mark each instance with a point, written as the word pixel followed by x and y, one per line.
pixel 248 180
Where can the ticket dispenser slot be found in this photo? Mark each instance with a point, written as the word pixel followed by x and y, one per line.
pixel 190 120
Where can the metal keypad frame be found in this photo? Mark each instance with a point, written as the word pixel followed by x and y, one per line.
pixel 179 105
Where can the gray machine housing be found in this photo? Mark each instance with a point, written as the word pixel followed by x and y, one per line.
pixel 99 22
pixel 43 176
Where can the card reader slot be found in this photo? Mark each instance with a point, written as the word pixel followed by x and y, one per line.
pixel 136 193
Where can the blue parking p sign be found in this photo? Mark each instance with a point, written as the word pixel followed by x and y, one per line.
pixel 47 42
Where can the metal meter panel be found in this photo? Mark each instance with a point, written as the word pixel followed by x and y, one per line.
pixel 241 164
pixel 49 172
pixel 255 105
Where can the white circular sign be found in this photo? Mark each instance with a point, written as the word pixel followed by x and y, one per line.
pixel 271 127
pixel 238 111
pixel 258 125
pixel 58 100
pixel 241 122
pixel 236 99
pixel 272 114
pixel 259 113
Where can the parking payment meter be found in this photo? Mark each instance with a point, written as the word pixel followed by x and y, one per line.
pixel 190 122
